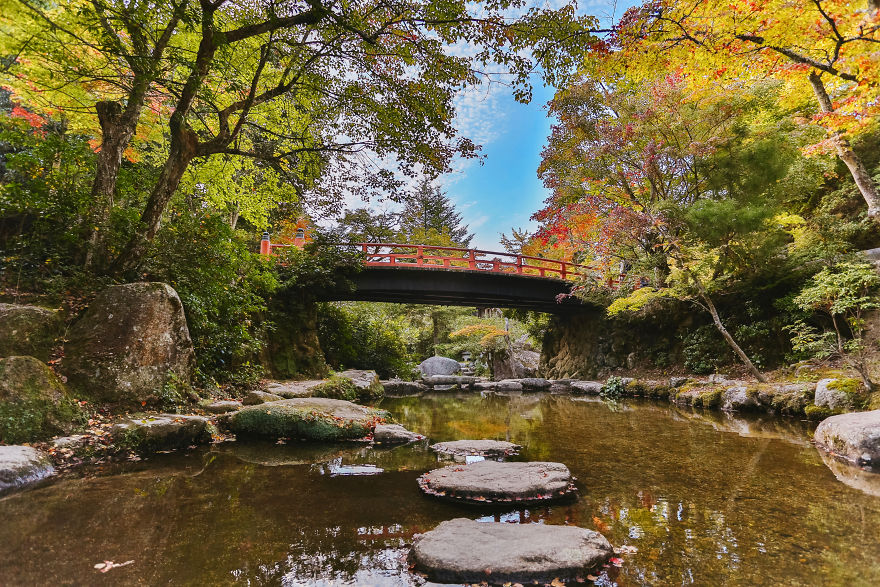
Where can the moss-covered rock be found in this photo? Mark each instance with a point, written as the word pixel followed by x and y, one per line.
pixel 28 330
pixel 162 432
pixel 34 403
pixel 309 418
pixel 709 399
pixel 817 413
pixel 129 345
pixel 841 393
pixel 351 385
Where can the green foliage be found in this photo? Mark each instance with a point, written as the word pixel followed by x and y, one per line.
pixel 704 350
pixel 637 300
pixel 428 213
pixel 844 293
pixel 614 388
pixel 364 336
pixel 38 419
pixel 223 286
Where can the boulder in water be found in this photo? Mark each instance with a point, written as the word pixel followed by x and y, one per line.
pixel 586 387
pixel 310 418
pixel 397 387
pixel 492 482
pixel 162 432
pixel 439 366
pixel 22 465
pixel 854 437
pixel 394 434
pixel 465 551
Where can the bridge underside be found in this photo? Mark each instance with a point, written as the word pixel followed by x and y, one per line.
pixel 459 288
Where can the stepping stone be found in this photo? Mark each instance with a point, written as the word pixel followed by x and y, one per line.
pixel 478 448
pixel 394 434
pixel 491 482
pixel 465 551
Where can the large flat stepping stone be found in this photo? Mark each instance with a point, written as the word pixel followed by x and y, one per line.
pixel 310 418
pixel 476 448
pixel 21 466
pixel 491 482
pixel 854 437
pixel 465 551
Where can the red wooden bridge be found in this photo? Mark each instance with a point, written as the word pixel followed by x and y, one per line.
pixel 438 257
pixel 429 274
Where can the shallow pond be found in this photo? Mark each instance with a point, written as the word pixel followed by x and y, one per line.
pixel 704 497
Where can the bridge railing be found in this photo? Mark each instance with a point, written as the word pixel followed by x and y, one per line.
pixel 440 257
pixel 428 256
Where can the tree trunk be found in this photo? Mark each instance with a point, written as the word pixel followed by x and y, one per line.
pixel 117 130
pixel 853 162
pixel 183 149
pixel 729 339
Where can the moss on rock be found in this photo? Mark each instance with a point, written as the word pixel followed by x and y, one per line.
pixel 34 403
pixel 28 330
pixel 309 418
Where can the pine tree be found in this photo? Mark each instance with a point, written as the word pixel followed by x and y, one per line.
pixel 428 210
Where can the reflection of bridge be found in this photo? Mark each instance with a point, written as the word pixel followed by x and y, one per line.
pixel 428 274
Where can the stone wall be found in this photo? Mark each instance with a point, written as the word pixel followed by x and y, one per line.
pixel 589 345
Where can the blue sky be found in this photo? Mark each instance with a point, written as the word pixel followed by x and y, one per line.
pixel 505 190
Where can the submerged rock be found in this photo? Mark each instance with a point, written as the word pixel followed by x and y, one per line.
pixel 489 482
pixel 482 448
pixel 309 418
pixel 161 432
pixel 462 380
pixel 34 403
pixel 27 330
pixel 439 366
pixel 465 551
pixel 21 466
pixel 854 437
pixel 131 342
pixel 394 434
pixel 255 398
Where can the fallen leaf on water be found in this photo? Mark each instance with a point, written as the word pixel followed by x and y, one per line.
pixel 592 578
pixel 557 583
pixel 617 562
pixel 107 565
pixel 626 549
